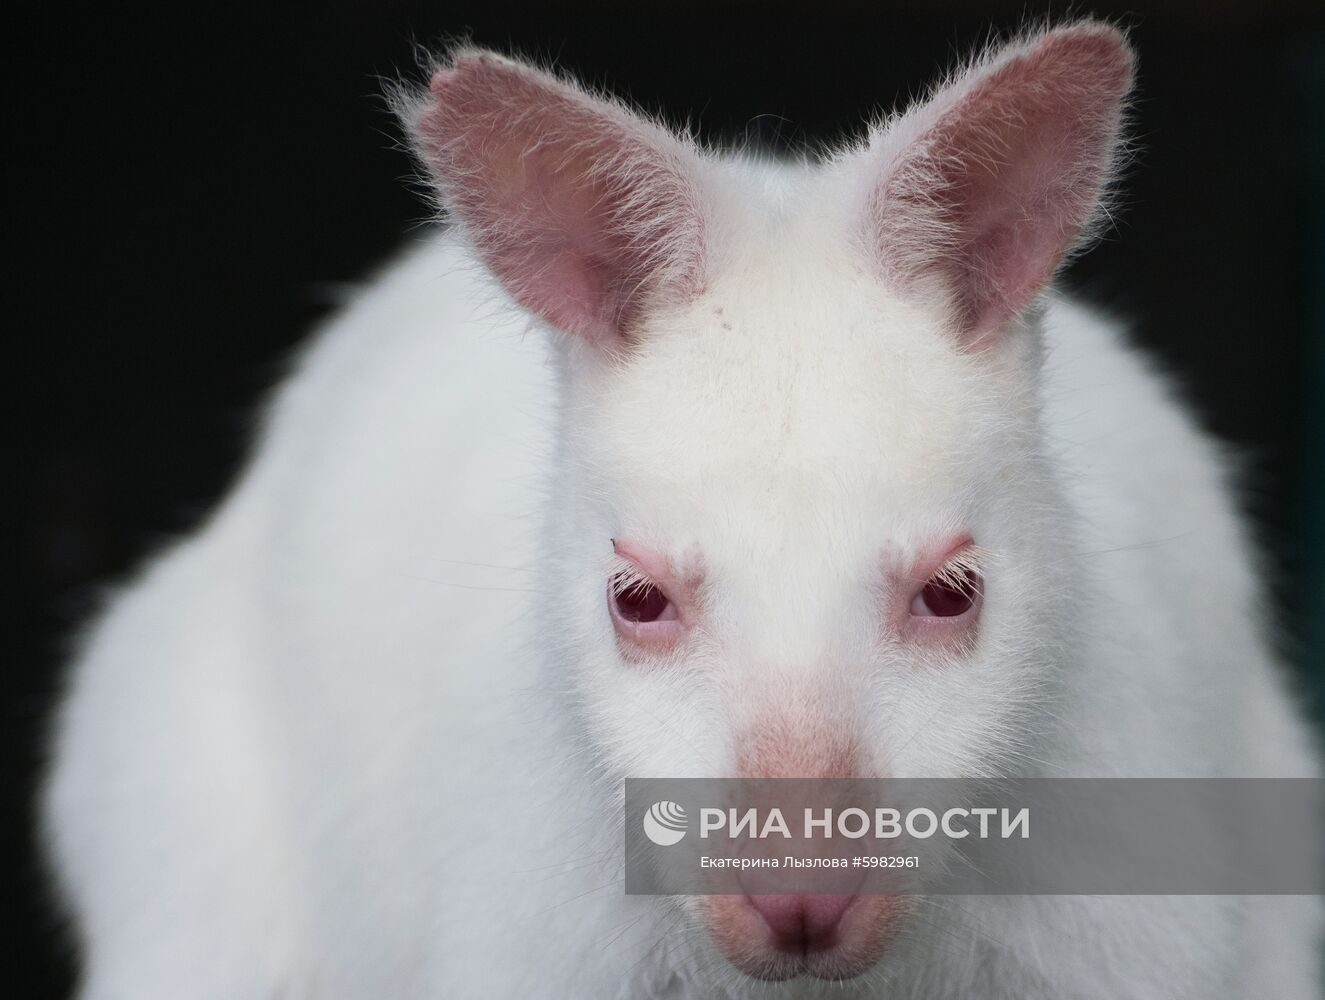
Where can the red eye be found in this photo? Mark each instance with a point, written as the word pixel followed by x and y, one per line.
pixel 649 624
pixel 647 621
pixel 948 595
pixel 642 603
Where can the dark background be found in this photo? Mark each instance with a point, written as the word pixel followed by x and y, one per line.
pixel 199 183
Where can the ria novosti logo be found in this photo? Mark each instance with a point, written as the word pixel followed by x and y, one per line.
pixel 1041 836
pixel 665 823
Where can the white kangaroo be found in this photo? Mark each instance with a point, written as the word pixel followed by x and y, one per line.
pixel 812 476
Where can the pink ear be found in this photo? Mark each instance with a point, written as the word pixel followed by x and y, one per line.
pixel 584 211
pixel 991 183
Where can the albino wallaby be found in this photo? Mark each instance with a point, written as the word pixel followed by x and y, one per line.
pixel 811 476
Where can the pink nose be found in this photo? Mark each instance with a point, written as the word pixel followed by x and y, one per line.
pixel 802 924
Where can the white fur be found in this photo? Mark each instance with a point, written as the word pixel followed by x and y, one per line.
pixel 362 734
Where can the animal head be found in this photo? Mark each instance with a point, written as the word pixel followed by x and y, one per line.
pixel 806 524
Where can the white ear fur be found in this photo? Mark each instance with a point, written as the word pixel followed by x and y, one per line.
pixel 582 209
pixel 983 190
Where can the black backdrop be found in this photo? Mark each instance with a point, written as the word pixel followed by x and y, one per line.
pixel 199 184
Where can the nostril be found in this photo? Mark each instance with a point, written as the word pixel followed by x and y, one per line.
pixel 802 924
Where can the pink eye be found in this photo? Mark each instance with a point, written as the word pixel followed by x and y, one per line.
pixel 641 603
pixel 948 595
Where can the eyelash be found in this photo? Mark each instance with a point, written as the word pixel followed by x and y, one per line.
pixel 625 575
pixel 960 574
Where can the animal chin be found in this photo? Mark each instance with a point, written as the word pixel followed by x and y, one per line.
pixel 778 938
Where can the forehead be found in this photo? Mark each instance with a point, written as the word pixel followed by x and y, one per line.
pixel 786 406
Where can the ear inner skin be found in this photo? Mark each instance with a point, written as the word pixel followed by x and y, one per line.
pixel 583 210
pixel 999 176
